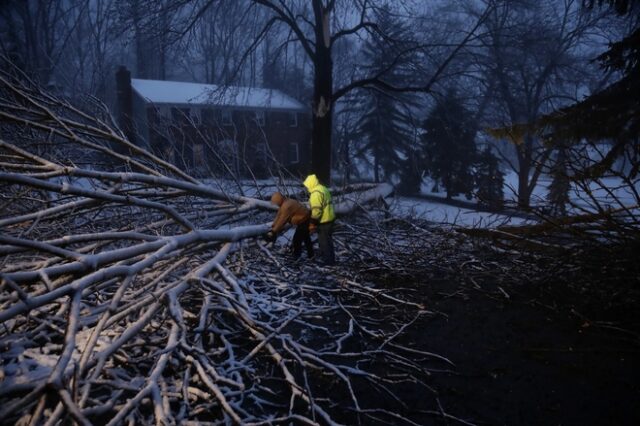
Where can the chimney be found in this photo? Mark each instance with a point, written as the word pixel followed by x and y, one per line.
pixel 125 102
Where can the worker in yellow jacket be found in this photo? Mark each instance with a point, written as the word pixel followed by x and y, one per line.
pixel 322 217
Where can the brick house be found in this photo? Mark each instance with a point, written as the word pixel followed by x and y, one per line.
pixel 212 130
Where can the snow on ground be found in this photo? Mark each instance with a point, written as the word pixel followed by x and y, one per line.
pixel 426 188
pixel 35 363
pixel 445 214
pixel 608 191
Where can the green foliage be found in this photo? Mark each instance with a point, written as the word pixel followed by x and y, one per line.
pixel 448 145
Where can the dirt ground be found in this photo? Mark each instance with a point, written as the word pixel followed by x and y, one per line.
pixel 533 355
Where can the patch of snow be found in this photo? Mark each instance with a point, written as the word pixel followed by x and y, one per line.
pixel 426 188
pixel 608 191
pixel 35 364
pixel 450 215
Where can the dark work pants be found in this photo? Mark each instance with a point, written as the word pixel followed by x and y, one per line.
pixel 302 236
pixel 325 240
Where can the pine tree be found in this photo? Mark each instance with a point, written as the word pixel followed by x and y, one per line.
pixel 448 144
pixel 410 175
pixel 611 113
pixel 558 195
pixel 384 128
pixel 489 180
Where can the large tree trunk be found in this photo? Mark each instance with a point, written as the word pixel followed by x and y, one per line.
pixel 524 192
pixel 524 187
pixel 321 125
pixel 531 168
pixel 322 98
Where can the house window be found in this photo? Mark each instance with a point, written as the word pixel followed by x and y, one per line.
pixel 226 117
pixel 293 119
pixel 260 118
pixel 293 153
pixel 198 155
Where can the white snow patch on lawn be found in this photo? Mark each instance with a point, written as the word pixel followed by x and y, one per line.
pixel 608 191
pixel 445 214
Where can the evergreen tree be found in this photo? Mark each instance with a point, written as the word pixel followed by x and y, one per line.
pixel 384 130
pixel 448 144
pixel 611 113
pixel 489 181
pixel 558 195
pixel 410 176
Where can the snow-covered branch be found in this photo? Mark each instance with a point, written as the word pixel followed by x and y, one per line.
pixel 130 292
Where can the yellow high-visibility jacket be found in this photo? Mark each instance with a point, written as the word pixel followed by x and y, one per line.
pixel 319 200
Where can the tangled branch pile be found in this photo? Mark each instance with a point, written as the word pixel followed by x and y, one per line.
pixel 131 292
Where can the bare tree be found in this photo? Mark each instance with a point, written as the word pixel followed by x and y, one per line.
pixel 534 51
pixel 151 25
pixel 318 26
pixel 91 57
pixel 213 46
pixel 36 34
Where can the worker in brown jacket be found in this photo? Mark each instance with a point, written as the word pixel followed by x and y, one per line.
pixel 293 212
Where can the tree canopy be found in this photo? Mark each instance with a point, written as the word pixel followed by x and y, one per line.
pixel 612 113
pixel 449 145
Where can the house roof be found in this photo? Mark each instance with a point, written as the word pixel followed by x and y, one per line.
pixel 177 92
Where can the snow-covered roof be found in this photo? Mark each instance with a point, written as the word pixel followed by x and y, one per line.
pixel 177 92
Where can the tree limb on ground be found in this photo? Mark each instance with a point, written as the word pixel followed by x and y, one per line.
pixel 130 292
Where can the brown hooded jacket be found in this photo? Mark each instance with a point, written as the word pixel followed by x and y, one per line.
pixel 290 211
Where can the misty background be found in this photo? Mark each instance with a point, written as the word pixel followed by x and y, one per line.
pixel 411 86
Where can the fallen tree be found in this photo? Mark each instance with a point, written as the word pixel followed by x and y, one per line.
pixel 132 292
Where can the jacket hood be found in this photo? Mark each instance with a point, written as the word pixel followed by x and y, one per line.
pixel 277 199
pixel 311 182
